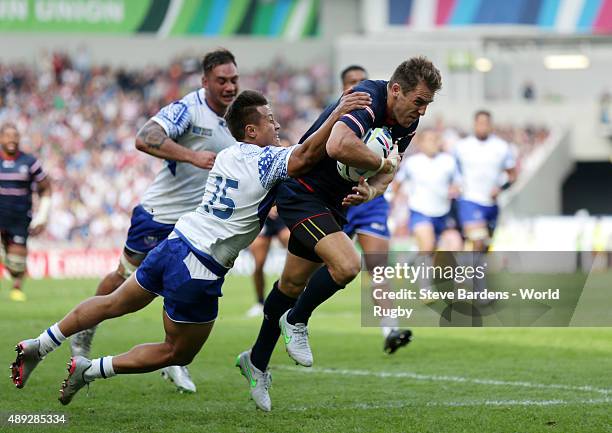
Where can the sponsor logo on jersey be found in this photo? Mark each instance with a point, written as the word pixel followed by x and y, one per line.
pixel 150 240
pixel 202 132
pixel 23 169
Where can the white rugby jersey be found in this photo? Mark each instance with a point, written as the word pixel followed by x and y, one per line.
pixel 481 164
pixel 239 194
pixel 178 187
pixel 428 181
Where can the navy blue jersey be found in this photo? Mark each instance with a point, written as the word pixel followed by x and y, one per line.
pixel 17 176
pixel 324 179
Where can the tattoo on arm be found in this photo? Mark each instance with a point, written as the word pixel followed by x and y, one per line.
pixel 153 136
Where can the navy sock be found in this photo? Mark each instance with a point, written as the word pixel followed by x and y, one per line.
pixel 320 288
pixel 275 306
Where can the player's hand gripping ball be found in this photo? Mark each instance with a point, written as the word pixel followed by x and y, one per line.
pixel 378 141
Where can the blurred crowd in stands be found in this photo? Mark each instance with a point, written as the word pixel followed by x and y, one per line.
pixel 80 120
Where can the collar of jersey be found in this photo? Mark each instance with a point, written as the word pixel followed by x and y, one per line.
pixel 5 156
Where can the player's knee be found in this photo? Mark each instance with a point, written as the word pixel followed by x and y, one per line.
pixel 291 286
pixel 115 305
pixel 292 289
pixel 345 271
pixel 180 356
pixel 109 306
pixel 477 233
pixel 125 268
pixel 427 245
pixel 16 264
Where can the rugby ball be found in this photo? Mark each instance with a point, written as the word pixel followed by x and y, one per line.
pixel 378 141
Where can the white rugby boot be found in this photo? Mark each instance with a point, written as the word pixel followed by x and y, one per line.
pixel 180 377
pixel 259 382
pixel 296 341
pixel 75 380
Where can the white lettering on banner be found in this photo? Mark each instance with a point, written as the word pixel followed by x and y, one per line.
pixel 13 10
pixel 54 268
pixel 93 263
pixel 71 263
pixel 37 265
pixel 89 11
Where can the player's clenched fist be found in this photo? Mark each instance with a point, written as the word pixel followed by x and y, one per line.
pixel 204 159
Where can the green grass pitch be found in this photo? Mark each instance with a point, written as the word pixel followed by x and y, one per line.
pixel 446 380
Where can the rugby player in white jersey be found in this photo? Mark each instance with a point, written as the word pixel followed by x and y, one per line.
pixel 431 178
pixel 187 269
pixel 187 134
pixel 487 165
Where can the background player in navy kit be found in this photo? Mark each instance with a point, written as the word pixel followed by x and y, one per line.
pixel 368 222
pixel 19 172
pixel 311 206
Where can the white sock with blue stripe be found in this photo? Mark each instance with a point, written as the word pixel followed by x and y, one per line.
pixel 50 339
pixel 100 368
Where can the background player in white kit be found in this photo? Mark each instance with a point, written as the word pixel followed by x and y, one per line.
pixel 432 180
pixel 487 165
pixel 431 177
pixel 187 134
pixel 188 267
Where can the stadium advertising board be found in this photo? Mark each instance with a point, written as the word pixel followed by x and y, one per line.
pixel 557 16
pixel 291 19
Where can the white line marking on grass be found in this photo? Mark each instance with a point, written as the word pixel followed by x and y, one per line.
pixel 471 403
pixel 457 379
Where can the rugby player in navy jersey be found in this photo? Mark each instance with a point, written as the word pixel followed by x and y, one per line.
pixel 368 223
pixel 312 206
pixel 19 172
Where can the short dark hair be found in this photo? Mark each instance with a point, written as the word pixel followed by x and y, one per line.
pixel 8 125
pixel 243 112
pixel 483 113
pixel 351 68
pixel 414 71
pixel 215 58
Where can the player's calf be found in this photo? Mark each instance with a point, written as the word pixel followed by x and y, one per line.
pixel 180 357
pixel 80 343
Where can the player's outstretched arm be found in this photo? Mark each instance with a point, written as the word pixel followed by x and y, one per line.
pixel 152 139
pixel 312 150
